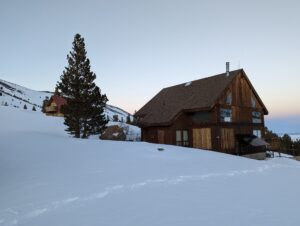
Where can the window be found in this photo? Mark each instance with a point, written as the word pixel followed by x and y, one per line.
pixel 256 117
pixel 257 132
pixel 178 137
pixel 182 138
pixel 185 137
pixel 228 99
pixel 253 102
pixel 200 117
pixel 225 115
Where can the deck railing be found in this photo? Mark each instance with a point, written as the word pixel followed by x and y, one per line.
pixel 51 109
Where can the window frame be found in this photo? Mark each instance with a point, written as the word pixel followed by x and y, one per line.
pixel 256 117
pixel 253 102
pixel 223 119
pixel 228 99
pixel 181 135
pixel 257 132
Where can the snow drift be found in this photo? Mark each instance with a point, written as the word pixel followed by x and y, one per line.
pixel 48 178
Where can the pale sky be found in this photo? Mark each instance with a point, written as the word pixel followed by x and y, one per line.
pixel 138 47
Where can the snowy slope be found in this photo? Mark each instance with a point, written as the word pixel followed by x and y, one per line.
pixel 110 111
pixel 48 178
pixel 17 96
pixel 295 136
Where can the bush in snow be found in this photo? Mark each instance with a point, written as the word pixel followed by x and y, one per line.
pixel 45 102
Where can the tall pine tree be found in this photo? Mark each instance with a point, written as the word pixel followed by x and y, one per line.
pixel 84 111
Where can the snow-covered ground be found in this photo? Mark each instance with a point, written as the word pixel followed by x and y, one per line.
pixel 48 178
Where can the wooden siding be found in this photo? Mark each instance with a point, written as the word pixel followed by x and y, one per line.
pixel 227 139
pixel 241 106
pixel 205 128
pixel 161 136
pixel 202 138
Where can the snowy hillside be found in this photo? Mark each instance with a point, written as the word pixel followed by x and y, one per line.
pixel 17 96
pixel 295 137
pixel 48 178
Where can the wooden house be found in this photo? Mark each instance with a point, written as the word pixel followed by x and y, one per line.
pixel 53 106
pixel 222 113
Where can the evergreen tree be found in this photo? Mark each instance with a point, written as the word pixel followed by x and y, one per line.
pixel 25 107
pixel 286 142
pixel 45 103
pixel 297 146
pixel 84 111
pixel 33 108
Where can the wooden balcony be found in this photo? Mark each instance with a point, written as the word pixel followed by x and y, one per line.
pixel 50 109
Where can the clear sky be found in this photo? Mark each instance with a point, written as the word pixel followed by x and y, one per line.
pixel 138 47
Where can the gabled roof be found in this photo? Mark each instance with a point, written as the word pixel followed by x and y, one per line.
pixel 58 100
pixel 197 95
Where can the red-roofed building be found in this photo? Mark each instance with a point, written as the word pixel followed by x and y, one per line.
pixel 53 107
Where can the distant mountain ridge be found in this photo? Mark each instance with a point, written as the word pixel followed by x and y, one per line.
pixel 13 95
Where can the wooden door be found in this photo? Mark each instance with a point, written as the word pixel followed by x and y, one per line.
pixel 202 138
pixel 227 139
pixel 161 136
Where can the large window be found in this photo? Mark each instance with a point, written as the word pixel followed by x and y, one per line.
pixel 257 132
pixel 182 138
pixel 225 115
pixel 256 117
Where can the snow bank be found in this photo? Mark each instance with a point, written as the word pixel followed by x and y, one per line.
pixel 48 178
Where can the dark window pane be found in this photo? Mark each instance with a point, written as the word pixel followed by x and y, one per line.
pixel 200 117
